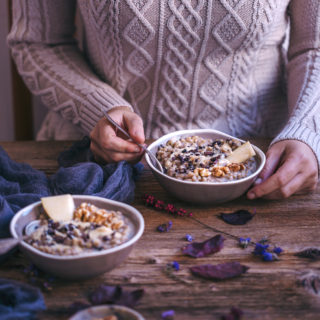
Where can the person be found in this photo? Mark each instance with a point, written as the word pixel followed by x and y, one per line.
pixel 248 68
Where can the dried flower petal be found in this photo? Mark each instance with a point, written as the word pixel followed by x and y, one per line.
pixel 165 227
pixel 310 253
pixel 238 217
pixel 277 250
pixel 267 256
pixel 189 237
pixel 260 249
pixel 202 249
pixel 244 242
pixel 151 201
pixel 220 271
pixel 234 314
pixel 169 314
pixel 115 295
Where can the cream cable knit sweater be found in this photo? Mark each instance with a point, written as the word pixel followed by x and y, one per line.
pixel 179 63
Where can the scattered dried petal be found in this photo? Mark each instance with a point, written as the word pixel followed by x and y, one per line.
pixel 244 242
pixel 238 217
pixel 167 315
pixel 189 237
pixel 277 250
pixel 115 295
pixel 267 256
pixel 220 271
pixel 202 249
pixel 175 265
pixel 165 227
pixel 310 253
pixel 234 314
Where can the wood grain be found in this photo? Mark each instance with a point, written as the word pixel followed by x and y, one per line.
pixel 267 291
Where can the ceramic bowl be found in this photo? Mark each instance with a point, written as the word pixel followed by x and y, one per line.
pixel 84 265
pixel 100 312
pixel 203 192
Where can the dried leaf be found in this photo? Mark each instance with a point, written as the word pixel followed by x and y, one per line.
pixel 220 271
pixel 202 249
pixel 238 217
pixel 234 314
pixel 115 295
pixel 310 253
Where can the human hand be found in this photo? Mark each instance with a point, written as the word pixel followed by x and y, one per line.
pixel 108 145
pixel 291 167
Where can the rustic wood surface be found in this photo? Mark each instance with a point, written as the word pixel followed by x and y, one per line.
pixel 269 290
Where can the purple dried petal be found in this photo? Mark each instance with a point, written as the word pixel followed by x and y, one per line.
pixel 165 227
pixel 175 265
pixel 277 250
pixel 105 294
pixel 202 249
pixel 220 271
pixel 234 314
pixel 238 217
pixel 310 253
pixel 169 314
pixel 267 256
pixel 115 295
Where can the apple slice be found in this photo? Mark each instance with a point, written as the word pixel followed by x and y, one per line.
pixel 242 153
pixel 59 208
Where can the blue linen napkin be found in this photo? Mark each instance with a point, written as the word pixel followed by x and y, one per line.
pixel 21 185
pixel 19 300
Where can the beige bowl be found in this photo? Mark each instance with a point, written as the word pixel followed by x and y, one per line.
pixel 99 312
pixel 84 265
pixel 203 192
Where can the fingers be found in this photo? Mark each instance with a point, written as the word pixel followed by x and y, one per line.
pixel 277 181
pixel 108 146
pixel 291 168
pixel 134 125
pixel 103 156
pixel 273 158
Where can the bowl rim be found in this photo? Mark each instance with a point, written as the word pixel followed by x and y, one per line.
pixel 167 137
pixel 108 307
pixel 131 241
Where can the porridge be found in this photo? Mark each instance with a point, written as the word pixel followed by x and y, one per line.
pixel 201 159
pixel 91 229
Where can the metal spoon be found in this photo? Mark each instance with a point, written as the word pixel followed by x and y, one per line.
pixel 150 154
pixel 8 244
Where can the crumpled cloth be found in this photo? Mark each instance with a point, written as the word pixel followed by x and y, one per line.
pixel 21 185
pixel 19 300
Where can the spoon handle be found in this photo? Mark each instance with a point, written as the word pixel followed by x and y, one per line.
pixel 151 155
pixel 7 244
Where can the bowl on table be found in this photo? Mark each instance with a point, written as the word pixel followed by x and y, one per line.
pixel 86 264
pixel 203 192
pixel 104 311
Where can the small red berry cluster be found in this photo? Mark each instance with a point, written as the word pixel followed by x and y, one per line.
pixel 151 201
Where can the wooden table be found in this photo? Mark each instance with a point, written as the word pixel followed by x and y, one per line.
pixel 269 290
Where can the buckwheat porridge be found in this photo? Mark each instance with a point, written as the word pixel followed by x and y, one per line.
pixel 92 229
pixel 199 159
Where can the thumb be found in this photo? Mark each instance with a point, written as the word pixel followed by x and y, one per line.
pixel 273 158
pixel 134 125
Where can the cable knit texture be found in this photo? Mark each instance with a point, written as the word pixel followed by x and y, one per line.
pixel 178 63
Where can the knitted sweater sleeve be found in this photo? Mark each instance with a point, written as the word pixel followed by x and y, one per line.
pixel 304 75
pixel 47 57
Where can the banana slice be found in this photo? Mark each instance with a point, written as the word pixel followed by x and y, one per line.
pixel 59 208
pixel 242 153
